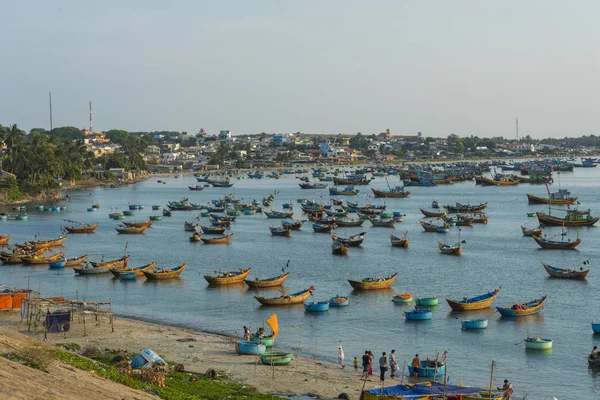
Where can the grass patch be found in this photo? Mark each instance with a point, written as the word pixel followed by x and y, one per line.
pixel 177 384
pixel 69 346
pixel 37 358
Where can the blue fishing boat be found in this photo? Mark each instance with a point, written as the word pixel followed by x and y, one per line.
pixel 338 301
pixel 596 327
pixel 520 310
pixel 476 323
pixel 443 229
pixel 250 348
pixel 128 276
pixel 427 369
pixel 60 263
pixel 418 314
pixel 316 306
pixel 91 209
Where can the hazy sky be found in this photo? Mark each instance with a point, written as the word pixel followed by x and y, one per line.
pixel 439 67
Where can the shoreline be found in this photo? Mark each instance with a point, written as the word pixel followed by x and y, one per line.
pixel 199 350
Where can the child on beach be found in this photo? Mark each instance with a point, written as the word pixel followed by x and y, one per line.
pixel 355 362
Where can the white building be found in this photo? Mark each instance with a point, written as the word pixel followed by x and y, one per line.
pixel 225 136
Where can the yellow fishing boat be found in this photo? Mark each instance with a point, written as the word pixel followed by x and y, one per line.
pixel 228 277
pixel 374 283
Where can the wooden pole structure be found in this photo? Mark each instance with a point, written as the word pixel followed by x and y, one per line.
pixel 403 367
pixel 299 344
pixel 316 359
pixel 460 375
pixel 84 332
pixel 491 378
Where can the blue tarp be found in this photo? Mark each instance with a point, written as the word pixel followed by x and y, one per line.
pixel 420 390
pixel 146 359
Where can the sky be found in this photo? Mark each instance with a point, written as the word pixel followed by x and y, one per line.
pixel 335 66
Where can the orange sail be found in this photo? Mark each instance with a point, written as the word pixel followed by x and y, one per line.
pixel 274 324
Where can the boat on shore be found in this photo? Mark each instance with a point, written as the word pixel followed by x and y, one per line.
pixel 376 283
pixel 474 303
pixel 227 277
pixel 156 273
pixel 276 358
pixel 565 273
pixel 249 347
pixel 283 300
pixel 523 309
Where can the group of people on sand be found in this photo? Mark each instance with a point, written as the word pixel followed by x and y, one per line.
pixel 260 333
pixel 367 363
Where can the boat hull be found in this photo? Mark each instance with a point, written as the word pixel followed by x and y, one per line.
pixel 532 199
pixel 276 358
pixel 316 306
pixel 418 315
pixel 262 283
pixel 250 348
pixel 427 301
pixel 545 219
pixel 297 298
pixel 543 344
pixel 374 285
pixel 531 308
pixel 555 245
pixel 480 323
pixel 427 372
pixel 230 280
pixel 476 303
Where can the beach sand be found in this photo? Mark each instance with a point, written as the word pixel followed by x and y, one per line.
pixel 197 351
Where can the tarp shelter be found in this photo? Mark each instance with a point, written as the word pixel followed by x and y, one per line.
pixel 11 300
pixel 59 321
pixel 146 359
pixel 419 391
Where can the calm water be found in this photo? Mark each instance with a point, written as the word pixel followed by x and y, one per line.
pixel 494 255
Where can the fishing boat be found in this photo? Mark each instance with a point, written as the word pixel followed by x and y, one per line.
pixel 314 185
pixel 352 241
pixel 339 248
pixel 466 208
pixel 140 224
pixel 347 191
pixel 138 271
pixel 561 197
pixel 399 241
pixel 258 283
pixel 319 228
pixel 128 276
pixel 382 282
pixel 427 301
pixel 294 225
pixel 403 298
pixel 96 206
pixel 316 306
pixel 556 244
pixel 190 226
pixel 455 249
pixel 475 323
pixel 249 348
pixel 41 259
pixel 221 184
pixel 196 188
pixel 21 217
pixel 418 314
pixel 464 220
pixel 596 327
pixel 339 301
pixel 128 213
pixel 433 214
pixel 351 180
pixel 4 240
pixel 281 230
pixel 428 369
pixel 116 216
pixel 58 263
pixel 166 213
pixel 227 277
pixel 218 240
pixel 211 230
pixel 155 217
pixel 132 230
pixel 196 237
pixel 565 273
pixel 91 270
pixel 44 244
pixel 294 298
pixel 474 303
pixel 383 222
pixel 537 343
pixel 90 228
pixel 156 207
pixel 276 358
pixel 520 310
pixel 155 273
pixel 349 222
pixel 395 192
pixel 480 218
pixel 431 227
pixel 531 231
pixel 572 218
pixel 531 215
pixel 75 261
pixel 278 214
pixel 118 263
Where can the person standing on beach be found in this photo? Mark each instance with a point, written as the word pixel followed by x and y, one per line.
pixel 247 335
pixel 341 356
pixel 383 363
pixel 416 364
pixel 366 360
pixel 393 365
pixel 355 362
pixel 371 357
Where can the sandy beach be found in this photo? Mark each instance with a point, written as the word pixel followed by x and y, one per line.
pixel 197 351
